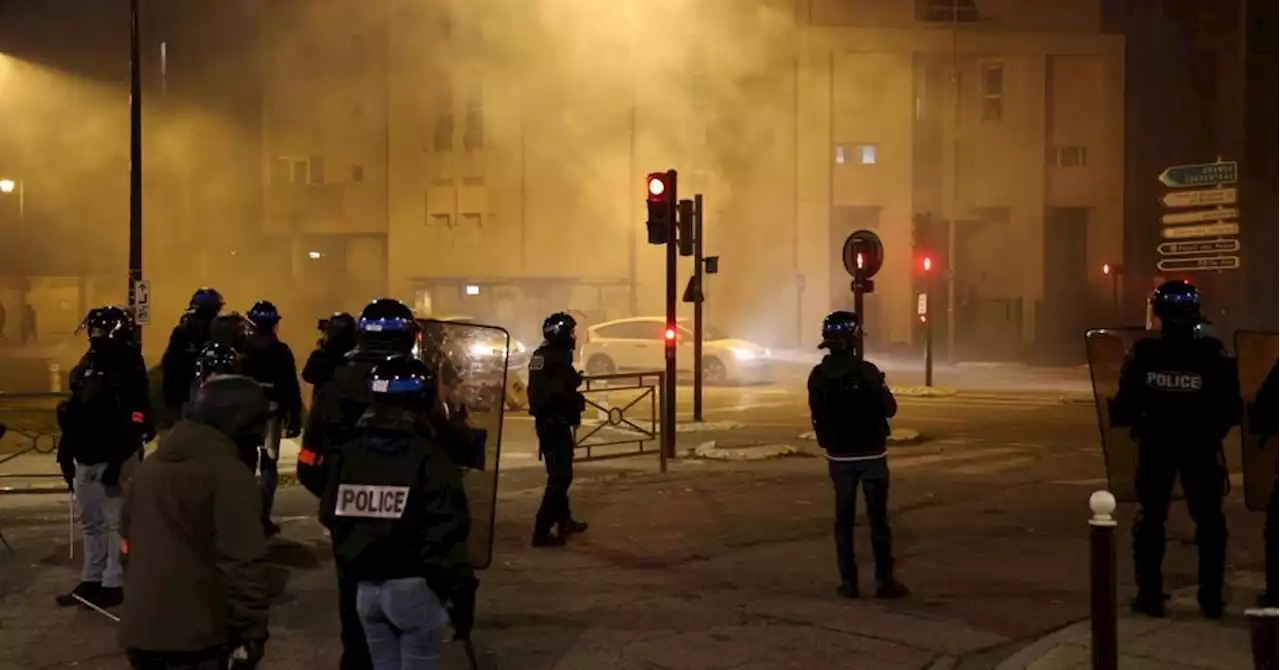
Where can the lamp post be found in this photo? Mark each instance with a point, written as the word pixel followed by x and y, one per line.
pixel 9 186
pixel 135 160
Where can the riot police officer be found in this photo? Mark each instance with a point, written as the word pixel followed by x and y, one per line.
pixel 215 360
pixel 398 515
pixel 851 405
pixel 104 425
pixel 271 363
pixel 338 337
pixel 178 365
pixel 386 328
pixel 1180 395
pixel 1263 420
pixel 556 405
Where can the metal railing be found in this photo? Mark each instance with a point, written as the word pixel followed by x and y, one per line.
pixel 34 417
pixel 634 430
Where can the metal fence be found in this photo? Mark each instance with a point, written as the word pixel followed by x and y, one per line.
pixel 628 419
pixel 32 423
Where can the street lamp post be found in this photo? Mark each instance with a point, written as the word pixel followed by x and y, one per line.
pixel 8 186
pixel 135 160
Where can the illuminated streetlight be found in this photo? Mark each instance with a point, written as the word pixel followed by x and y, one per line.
pixel 7 187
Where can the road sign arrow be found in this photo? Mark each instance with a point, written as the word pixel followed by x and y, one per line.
pixel 1175 218
pixel 1200 174
pixel 1199 197
pixel 1211 247
pixel 1210 230
pixel 1199 264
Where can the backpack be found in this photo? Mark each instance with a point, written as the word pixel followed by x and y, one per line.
pixel 850 406
pixel 96 406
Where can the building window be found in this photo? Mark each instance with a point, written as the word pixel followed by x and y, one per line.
pixel 441 91
pixel 474 221
pixel 1068 156
pixel 357 173
pixel 298 171
pixel 855 154
pixel 442 133
pixel 473 131
pixel 992 92
pixel 439 221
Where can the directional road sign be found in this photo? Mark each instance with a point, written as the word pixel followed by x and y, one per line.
pixel 1199 264
pixel 1202 174
pixel 1199 197
pixel 1208 230
pixel 1201 248
pixel 142 302
pixel 1196 216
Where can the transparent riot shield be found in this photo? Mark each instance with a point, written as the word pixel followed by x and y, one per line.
pixel 1256 353
pixel 471 364
pixel 1107 349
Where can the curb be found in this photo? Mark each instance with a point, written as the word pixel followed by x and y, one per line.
pixel 899 436
pixel 1028 655
pixel 922 391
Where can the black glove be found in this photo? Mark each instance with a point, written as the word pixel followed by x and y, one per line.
pixel 248 654
pixel 294 429
pixel 462 608
pixel 69 475
pixel 111 475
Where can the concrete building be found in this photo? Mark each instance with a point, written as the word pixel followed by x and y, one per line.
pixel 489 159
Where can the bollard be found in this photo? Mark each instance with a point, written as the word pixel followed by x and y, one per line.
pixel 55 378
pixel 1263 637
pixel 1102 581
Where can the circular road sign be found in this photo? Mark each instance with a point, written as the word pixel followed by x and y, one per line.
pixel 872 250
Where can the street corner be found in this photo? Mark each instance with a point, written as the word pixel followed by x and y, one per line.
pixel 708 426
pixel 922 392
pixel 713 450
pixel 898 437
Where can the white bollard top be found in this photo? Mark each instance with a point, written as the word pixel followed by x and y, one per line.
pixel 1102 504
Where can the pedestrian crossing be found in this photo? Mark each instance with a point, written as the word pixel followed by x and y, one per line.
pixel 978 458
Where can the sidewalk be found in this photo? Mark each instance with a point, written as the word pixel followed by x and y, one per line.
pixel 1182 641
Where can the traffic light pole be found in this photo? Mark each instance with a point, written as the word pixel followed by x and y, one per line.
pixel 135 161
pixel 697 307
pixel 669 394
pixel 858 291
pixel 928 331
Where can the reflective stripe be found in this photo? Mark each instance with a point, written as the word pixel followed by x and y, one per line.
pixel 124 546
pixel 308 457
pixel 138 417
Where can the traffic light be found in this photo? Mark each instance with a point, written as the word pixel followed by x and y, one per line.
pixel 1106 268
pixel 926 264
pixel 669 334
pixel 685 238
pixel 660 190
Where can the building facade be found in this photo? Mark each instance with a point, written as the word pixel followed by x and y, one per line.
pixel 488 159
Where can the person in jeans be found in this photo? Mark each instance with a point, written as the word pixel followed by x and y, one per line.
pixel 398 515
pixel 851 406
pixel 103 426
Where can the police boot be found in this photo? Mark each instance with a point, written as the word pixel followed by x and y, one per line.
pixel 572 527
pixel 1150 604
pixel 86 590
pixel 848 589
pixel 891 589
pixel 1211 606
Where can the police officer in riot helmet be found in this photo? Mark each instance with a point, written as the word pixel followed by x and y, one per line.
pixel 270 362
pixel 1179 394
pixel 398 515
pixel 338 337
pixel 233 330
pixel 215 360
pixel 1263 420
pixel 103 425
pixel 385 328
pixel 178 365
pixel 556 405
pixel 851 405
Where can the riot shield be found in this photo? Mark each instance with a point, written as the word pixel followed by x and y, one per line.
pixel 1107 349
pixel 1256 353
pixel 471 364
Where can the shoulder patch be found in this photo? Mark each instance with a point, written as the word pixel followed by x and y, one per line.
pixel 371 502
pixel 536 363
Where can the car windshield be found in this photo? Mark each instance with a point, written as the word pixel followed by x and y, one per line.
pixel 708 333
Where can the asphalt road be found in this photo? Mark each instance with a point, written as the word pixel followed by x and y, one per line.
pixel 989 516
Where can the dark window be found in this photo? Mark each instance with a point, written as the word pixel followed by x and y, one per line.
pixel 1069 156
pixel 357 173
pixel 315 172
pixel 442 136
pixel 282 171
pixel 473 134
pixel 947 11
pixel 992 92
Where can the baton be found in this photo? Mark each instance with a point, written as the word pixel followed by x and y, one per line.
pixel 71 524
pixel 95 608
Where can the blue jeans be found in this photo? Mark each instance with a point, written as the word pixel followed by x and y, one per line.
pixel 98 511
pixel 403 623
pixel 873 475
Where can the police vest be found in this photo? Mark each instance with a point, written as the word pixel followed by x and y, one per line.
pixel 374 507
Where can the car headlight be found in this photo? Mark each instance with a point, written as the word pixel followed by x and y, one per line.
pixel 742 354
pixel 483 350
pixel 519 347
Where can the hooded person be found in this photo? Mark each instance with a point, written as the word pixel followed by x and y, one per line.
pixel 851 406
pixel 196 576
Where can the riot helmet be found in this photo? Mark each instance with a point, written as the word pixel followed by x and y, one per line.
pixel 108 325
pixel 264 315
pixel 401 381
pixel 387 325
pixel 559 329
pixel 840 331
pixel 206 300
pixel 232 330
pixel 1177 304
pixel 216 359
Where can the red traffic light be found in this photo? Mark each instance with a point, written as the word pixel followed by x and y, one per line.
pixel 656 185
pixel 926 264
pixel 1106 268
pixel 670 334
pixel 860 261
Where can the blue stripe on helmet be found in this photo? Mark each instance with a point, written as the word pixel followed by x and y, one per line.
pixel 383 325
pixel 395 386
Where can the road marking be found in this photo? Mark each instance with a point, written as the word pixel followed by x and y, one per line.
pixel 996 466
pixel 931 459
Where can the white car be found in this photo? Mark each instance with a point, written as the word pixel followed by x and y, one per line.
pixel 517 353
pixel 637 344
